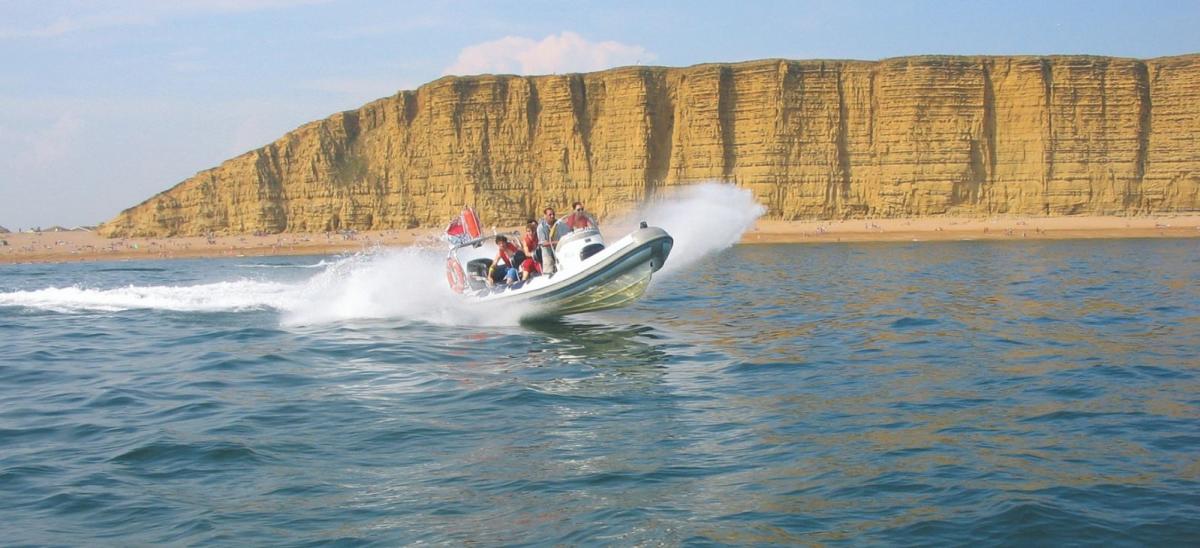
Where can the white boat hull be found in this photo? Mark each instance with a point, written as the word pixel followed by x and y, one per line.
pixel 613 277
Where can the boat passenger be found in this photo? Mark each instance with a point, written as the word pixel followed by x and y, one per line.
pixel 549 231
pixel 530 268
pixel 580 218
pixel 529 242
pixel 508 258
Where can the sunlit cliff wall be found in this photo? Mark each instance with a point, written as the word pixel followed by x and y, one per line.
pixel 915 136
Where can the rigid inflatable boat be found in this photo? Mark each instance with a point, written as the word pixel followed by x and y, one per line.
pixel 591 275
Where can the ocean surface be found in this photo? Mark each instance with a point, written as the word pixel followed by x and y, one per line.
pixel 993 393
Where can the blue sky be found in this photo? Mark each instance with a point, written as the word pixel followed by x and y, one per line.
pixel 105 103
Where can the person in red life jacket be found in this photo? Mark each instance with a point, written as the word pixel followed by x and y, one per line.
pixel 580 218
pixel 529 242
pixel 508 258
pixel 530 268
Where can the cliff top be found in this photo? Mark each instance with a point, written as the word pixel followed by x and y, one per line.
pixel 1187 57
pixel 813 139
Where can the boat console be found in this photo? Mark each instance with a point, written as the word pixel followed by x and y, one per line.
pixel 577 246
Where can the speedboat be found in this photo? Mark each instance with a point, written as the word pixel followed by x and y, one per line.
pixel 592 275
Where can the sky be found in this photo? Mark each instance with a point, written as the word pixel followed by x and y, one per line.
pixel 104 103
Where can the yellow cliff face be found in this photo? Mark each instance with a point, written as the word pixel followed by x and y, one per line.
pixel 916 136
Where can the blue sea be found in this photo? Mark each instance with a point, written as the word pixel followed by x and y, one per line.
pixel 983 393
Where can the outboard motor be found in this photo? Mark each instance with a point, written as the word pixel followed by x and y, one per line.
pixel 477 273
pixel 479 267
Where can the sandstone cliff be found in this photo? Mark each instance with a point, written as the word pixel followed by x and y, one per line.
pixel 916 136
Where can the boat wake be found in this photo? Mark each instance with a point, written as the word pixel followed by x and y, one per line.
pixel 237 295
pixel 408 283
pixel 405 283
pixel 401 283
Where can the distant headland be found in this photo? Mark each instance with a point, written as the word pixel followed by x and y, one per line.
pixel 910 137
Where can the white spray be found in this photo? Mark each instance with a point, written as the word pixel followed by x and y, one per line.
pixel 408 283
pixel 704 219
pixel 405 283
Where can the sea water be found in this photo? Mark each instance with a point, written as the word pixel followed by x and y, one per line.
pixel 1040 392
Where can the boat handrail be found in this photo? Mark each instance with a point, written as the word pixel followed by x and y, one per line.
pixel 481 239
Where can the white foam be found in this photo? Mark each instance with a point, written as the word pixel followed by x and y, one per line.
pixel 704 219
pixel 407 283
pixel 214 297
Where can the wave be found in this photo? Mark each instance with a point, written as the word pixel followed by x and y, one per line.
pixel 213 297
pixel 319 264
pixel 407 283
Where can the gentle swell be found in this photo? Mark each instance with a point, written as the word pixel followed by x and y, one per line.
pixel 768 395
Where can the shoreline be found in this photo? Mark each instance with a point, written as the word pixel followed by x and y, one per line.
pixel 930 229
pixel 84 246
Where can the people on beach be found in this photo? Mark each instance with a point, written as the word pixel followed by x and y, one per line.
pixel 549 231
pixel 579 218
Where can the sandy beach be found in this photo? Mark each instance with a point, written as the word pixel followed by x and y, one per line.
pixel 80 245
pixel 996 228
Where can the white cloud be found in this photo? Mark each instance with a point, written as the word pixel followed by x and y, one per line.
pixel 120 13
pixel 566 52
pixel 67 25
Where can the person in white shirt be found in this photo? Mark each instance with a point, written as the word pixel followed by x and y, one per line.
pixel 549 231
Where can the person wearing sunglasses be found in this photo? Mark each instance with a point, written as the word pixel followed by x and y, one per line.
pixel 580 218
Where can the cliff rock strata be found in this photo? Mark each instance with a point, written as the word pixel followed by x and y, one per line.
pixel 916 136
